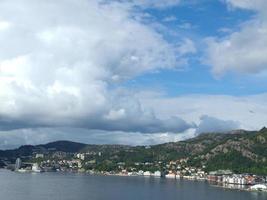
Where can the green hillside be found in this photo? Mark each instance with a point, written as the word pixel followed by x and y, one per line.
pixel 240 151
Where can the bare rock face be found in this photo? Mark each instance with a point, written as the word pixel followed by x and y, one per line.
pixel 261 139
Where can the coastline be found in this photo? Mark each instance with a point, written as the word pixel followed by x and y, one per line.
pixel 235 187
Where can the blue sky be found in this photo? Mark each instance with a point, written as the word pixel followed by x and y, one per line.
pixel 130 71
pixel 198 21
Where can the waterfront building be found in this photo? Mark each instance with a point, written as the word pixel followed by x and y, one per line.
pixel 157 174
pixel 178 176
pixel 236 179
pixel 147 173
pixel 36 168
pixel 171 175
pixel 250 180
pixel 140 173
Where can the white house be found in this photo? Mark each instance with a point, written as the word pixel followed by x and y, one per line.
pixel 157 174
pixel 147 173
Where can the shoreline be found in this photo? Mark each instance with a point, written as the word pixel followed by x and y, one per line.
pixel 235 187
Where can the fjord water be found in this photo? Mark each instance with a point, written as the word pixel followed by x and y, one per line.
pixel 57 186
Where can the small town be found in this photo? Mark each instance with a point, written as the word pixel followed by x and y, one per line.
pixel 179 169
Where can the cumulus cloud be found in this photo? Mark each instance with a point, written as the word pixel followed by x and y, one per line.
pixel 210 113
pixel 243 50
pixel 243 112
pixel 62 64
pixel 61 60
pixel 211 124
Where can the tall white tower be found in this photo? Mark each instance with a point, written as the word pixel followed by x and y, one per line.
pixel 18 164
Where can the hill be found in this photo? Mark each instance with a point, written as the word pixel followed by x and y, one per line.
pixel 240 151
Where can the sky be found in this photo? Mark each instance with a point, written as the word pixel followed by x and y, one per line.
pixel 135 72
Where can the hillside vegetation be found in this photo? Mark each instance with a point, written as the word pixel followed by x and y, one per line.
pixel 240 151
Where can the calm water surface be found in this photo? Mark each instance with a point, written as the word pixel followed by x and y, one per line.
pixel 56 186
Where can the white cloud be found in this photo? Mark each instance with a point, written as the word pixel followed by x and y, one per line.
pixel 4 25
pixel 15 138
pixel 211 124
pixel 171 18
pixel 244 50
pixel 186 26
pixel 244 112
pixel 187 47
pixel 60 59
pixel 160 3
pixel 152 3
pixel 115 114
pixel 210 113
pixel 248 4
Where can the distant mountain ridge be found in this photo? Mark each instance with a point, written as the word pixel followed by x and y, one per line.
pixel 242 151
pixel 65 146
